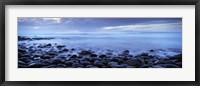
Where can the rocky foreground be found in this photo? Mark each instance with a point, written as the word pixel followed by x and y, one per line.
pixel 59 56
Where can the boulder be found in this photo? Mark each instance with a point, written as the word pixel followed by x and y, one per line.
pixel 134 62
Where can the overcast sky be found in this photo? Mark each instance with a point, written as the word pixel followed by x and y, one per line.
pixel 50 26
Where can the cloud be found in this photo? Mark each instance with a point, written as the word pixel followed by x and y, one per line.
pixel 52 20
pixel 145 27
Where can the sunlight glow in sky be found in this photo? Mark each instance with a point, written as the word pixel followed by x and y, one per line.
pixel 40 26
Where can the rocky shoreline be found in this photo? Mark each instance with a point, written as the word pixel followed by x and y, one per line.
pixel 60 56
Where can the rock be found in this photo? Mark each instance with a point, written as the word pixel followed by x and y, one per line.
pixel 168 65
pixel 85 63
pixel 65 50
pixel 72 49
pixel 21 62
pixel 48 45
pixel 118 66
pixel 103 56
pixel 61 65
pixel 114 59
pixel 84 52
pixel 179 64
pixel 112 63
pixel 80 66
pixel 22 66
pixel 98 63
pixel 145 66
pixel 56 61
pixel 21 50
pixel 74 56
pixel 94 59
pixel 144 54
pixel 125 53
pixel 165 62
pixel 69 63
pixel 177 57
pixel 46 57
pixel 52 53
pixel 37 55
pixel 93 55
pixel 134 62
pixel 151 50
pixel 60 46
pixel 157 66
pixel 20 54
pixel 35 65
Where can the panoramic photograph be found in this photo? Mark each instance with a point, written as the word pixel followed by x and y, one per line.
pixel 87 42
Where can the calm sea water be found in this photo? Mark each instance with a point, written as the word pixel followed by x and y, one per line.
pixel 143 41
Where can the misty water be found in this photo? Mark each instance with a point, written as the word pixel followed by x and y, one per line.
pixel 137 42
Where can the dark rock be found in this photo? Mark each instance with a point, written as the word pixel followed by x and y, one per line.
pixel 94 59
pixel 144 54
pixel 48 45
pixel 179 64
pixel 168 65
pixel 134 62
pixel 114 59
pixel 74 56
pixel 21 62
pixel 37 55
pixel 84 52
pixel 93 55
pixel 177 57
pixel 22 66
pixel 151 50
pixel 46 57
pixel 125 53
pixel 60 46
pixel 103 56
pixel 56 61
pixel 112 63
pixel 98 63
pixel 85 63
pixel 35 65
pixel 72 49
pixel 65 50
pixel 69 63
pixel 21 50
pixel 20 54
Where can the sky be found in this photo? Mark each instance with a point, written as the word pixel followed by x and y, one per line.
pixel 53 26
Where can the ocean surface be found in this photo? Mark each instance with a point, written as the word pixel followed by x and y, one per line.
pixel 135 41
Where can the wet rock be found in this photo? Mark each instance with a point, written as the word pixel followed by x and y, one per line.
pixel 65 50
pixel 93 55
pixel 151 50
pixel 94 59
pixel 35 65
pixel 46 57
pixel 60 46
pixel 84 52
pixel 21 50
pixel 157 66
pixel 37 55
pixel 134 62
pixel 22 66
pixel 125 53
pixel 74 56
pixel 72 49
pixel 112 63
pixel 168 65
pixel 103 56
pixel 69 63
pixel 85 63
pixel 56 61
pixel 177 57
pixel 21 63
pixel 98 63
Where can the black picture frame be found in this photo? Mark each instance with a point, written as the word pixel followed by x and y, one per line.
pixel 98 2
